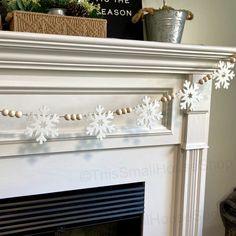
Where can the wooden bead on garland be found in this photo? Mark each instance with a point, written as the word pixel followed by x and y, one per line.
pixel 164 99
pixel 210 77
pixel 205 79
pixel 12 113
pixel 73 116
pixel 67 117
pixel 129 109
pixel 119 112
pixel 169 98
pixel 5 112
pixel 232 59
pixel 79 117
pixel 201 81
pixel 19 114
pixel 124 111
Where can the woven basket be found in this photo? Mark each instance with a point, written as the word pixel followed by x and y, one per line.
pixel 22 21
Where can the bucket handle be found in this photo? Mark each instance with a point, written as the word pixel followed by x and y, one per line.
pixel 189 15
pixel 140 14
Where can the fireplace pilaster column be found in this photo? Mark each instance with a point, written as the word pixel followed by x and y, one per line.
pixel 191 168
pixel 193 173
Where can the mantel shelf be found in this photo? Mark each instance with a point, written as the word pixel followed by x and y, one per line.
pixel 28 51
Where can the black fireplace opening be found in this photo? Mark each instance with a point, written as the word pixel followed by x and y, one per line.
pixel 103 211
pixel 126 227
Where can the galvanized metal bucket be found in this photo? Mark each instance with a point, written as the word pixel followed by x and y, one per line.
pixel 166 25
pixel 57 11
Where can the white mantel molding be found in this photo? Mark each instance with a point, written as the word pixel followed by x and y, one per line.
pixel 29 51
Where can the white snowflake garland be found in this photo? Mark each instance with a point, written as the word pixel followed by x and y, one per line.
pixel 189 96
pixel 101 123
pixel 42 125
pixel 148 113
pixel 223 74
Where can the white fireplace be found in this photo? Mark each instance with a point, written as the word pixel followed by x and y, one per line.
pixel 71 74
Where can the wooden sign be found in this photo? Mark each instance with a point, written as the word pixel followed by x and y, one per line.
pixel 118 14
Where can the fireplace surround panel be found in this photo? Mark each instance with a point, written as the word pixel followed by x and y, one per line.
pixel 41 174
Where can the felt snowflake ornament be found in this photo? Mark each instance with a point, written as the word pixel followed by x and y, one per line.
pixel 223 74
pixel 148 113
pixel 42 125
pixel 189 96
pixel 101 123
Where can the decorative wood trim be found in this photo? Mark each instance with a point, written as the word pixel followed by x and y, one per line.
pixel 67 53
pixel 15 142
pixel 191 168
pixel 191 191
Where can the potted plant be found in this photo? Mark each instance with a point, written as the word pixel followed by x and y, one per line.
pixel 31 16
pixel 164 24
pixel 55 7
pixel 73 7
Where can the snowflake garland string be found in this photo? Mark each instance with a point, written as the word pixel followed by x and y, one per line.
pixel 148 113
pixel 42 125
pixel 101 123
pixel 189 96
pixel 223 74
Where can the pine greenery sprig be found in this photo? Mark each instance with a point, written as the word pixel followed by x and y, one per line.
pixel 75 9
pixel 94 10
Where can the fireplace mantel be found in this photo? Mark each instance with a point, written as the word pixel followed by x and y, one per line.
pixel 64 53
pixel 68 74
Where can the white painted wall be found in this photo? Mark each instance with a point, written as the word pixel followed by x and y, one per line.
pixel 214 24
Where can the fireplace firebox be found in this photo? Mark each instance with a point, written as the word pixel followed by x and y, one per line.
pixel 103 211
